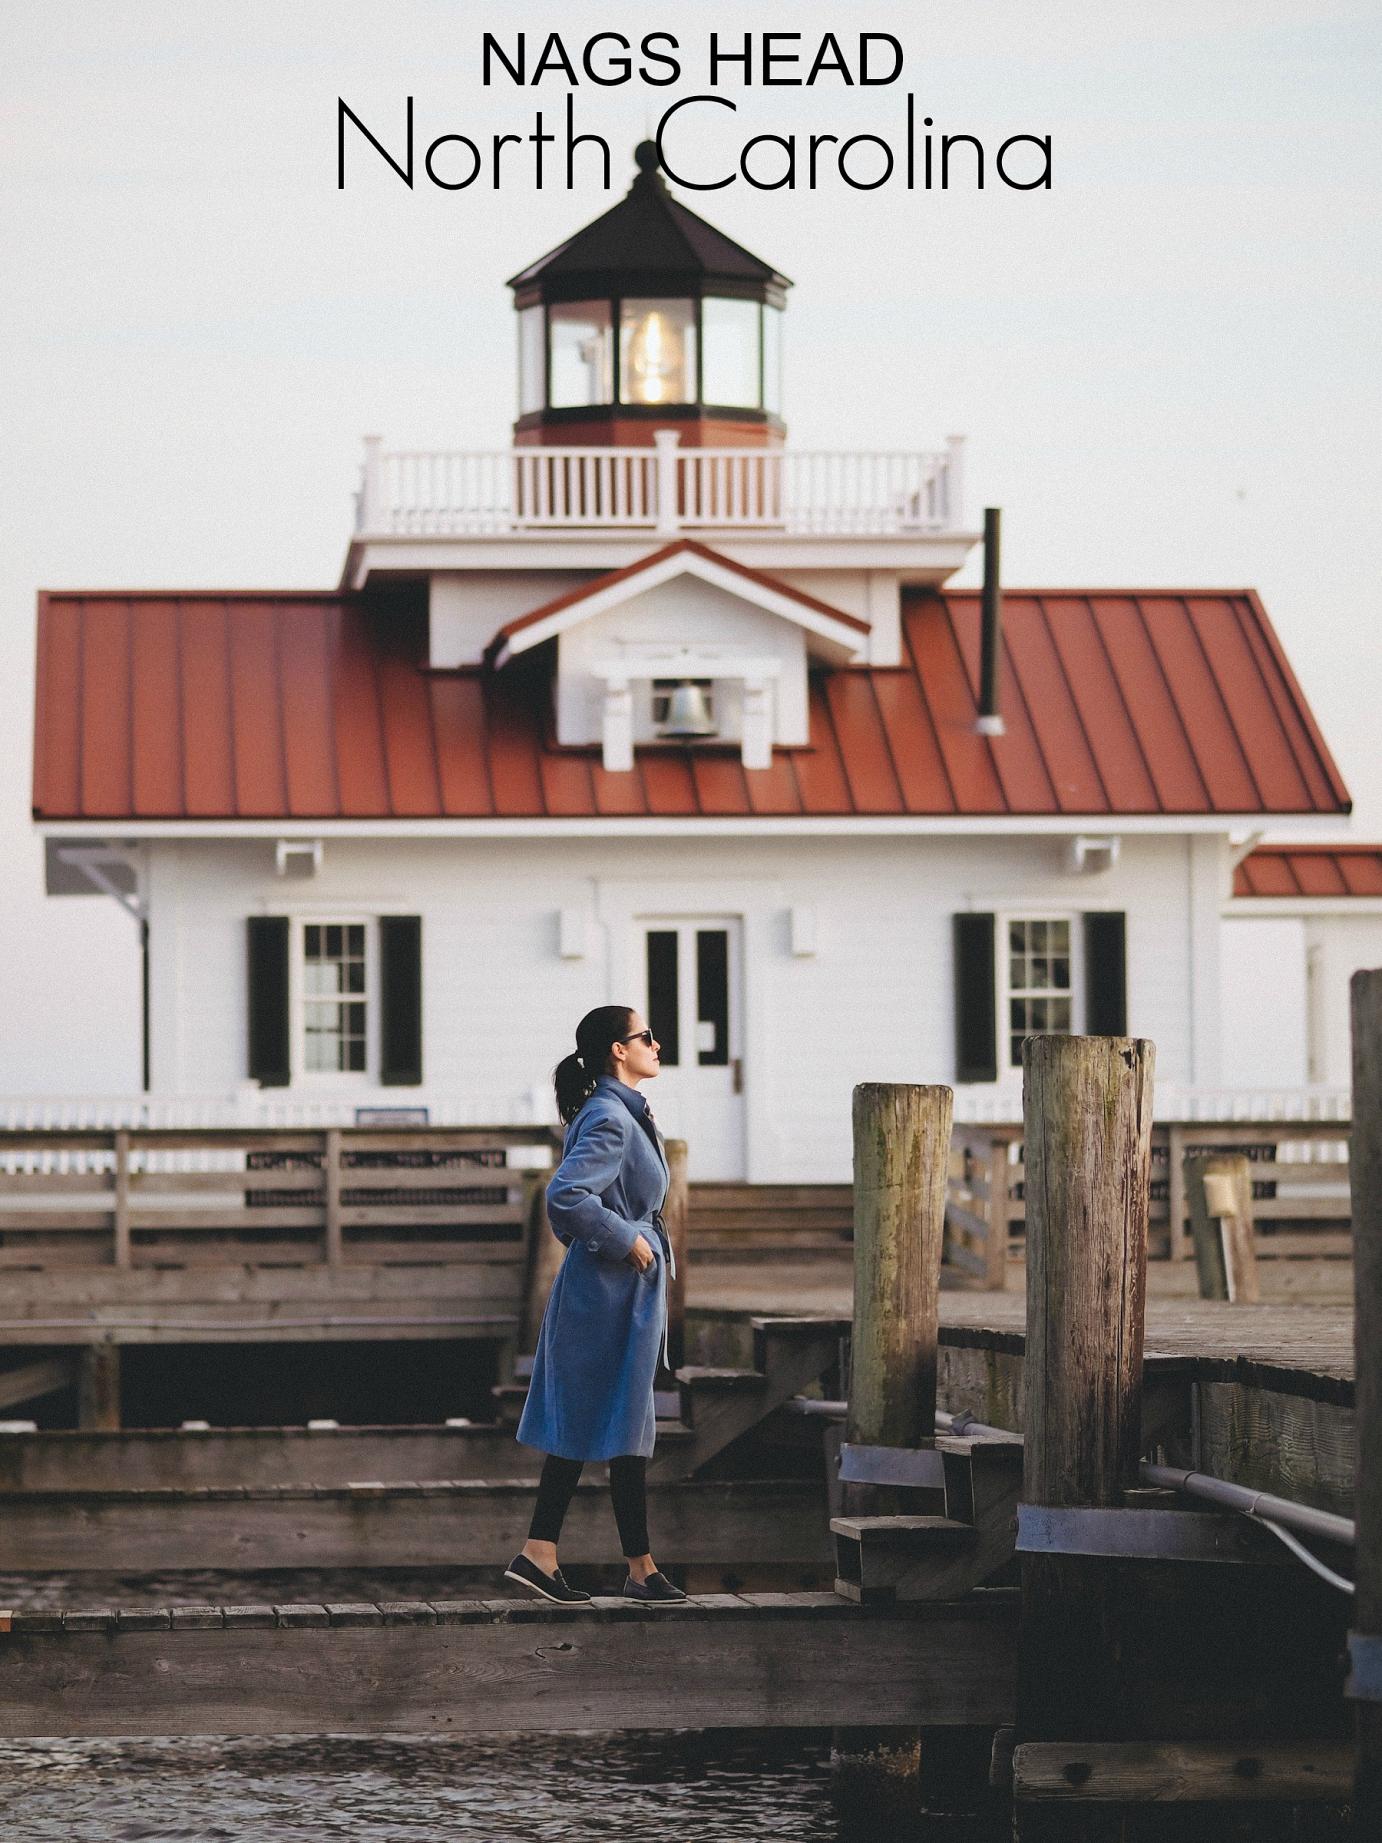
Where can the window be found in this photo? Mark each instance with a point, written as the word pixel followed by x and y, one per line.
pixel 532 361
pixel 657 351
pixel 772 360
pixel 729 352
pixel 582 354
pixel 662 696
pixel 334 998
pixel 1040 990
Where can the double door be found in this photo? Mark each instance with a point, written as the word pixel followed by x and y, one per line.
pixel 692 979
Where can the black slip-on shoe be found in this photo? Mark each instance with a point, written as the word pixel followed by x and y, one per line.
pixel 657 1590
pixel 554 1587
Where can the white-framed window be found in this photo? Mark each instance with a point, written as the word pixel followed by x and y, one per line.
pixel 1037 986
pixel 334 999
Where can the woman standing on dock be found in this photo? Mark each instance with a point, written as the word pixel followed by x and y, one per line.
pixel 591 1393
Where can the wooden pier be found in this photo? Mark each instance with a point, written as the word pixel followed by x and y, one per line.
pixel 431 1523
pixel 1158 1648
pixel 470 1666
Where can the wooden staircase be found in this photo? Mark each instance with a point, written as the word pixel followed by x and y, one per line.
pixel 729 1221
pixel 713 1407
pixel 719 1405
pixel 930 1557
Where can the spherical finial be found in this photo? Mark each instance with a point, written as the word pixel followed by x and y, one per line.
pixel 646 156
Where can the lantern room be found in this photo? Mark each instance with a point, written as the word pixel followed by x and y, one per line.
pixel 648 319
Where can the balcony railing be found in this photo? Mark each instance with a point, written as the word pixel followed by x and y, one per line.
pixel 664 490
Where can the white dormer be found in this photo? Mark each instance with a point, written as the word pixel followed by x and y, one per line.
pixel 685 614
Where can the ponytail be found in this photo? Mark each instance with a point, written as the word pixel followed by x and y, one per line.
pixel 575 1075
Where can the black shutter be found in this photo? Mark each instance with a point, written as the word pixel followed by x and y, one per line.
pixel 976 1020
pixel 268 1000
pixel 1105 974
pixel 400 988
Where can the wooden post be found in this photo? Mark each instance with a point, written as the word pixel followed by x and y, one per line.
pixel 901 1171
pixel 121 1252
pixel 901 1158
pixel 331 1183
pixel 1088 1111
pixel 1219 1188
pixel 546 1254
pixel 1175 1188
pixel 675 1212
pixel 996 1242
pixel 98 1388
pixel 1365 1183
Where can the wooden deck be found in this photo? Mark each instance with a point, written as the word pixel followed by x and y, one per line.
pixel 470 1666
pixel 476 1522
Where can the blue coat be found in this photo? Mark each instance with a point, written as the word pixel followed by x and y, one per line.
pixel 605 1325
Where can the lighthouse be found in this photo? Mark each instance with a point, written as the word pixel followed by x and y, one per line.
pixel 649 318
pixel 649 706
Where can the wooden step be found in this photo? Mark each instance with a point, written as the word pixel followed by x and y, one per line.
pixel 722 1404
pixel 983 1481
pixel 694 1376
pixel 759 1196
pixel 509 1398
pixel 873 1555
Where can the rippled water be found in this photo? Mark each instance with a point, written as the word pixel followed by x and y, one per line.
pixel 678 1787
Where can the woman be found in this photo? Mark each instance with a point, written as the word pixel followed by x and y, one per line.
pixel 591 1393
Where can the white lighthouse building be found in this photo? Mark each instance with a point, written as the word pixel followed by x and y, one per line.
pixel 651 706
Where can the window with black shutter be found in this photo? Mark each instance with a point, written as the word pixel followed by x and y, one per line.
pixel 1106 973
pixel 267 981
pixel 400 995
pixel 976 1020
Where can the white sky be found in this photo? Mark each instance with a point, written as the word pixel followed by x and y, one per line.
pixel 1167 366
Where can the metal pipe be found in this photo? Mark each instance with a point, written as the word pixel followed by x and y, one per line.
pixel 1324 1525
pixel 991 629
pixel 1261 1504
pixel 959 1424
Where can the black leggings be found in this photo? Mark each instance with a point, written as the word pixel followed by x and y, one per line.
pixel 627 1487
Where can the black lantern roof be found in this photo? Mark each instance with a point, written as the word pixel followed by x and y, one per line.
pixel 649 243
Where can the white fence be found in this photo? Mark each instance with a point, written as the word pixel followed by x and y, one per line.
pixel 663 489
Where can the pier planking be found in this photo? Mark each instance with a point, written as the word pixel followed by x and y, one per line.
pixel 471 1666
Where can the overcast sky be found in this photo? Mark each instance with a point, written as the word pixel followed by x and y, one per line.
pixel 1166 365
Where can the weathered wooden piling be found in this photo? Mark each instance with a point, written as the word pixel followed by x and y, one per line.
pixel 901 1160
pixel 674 1217
pixel 98 1387
pixel 1218 1187
pixel 1365 1179
pixel 1088 1112
pixel 901 1156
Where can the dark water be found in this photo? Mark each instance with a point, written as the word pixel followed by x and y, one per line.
pixel 682 1786
pixel 611 1786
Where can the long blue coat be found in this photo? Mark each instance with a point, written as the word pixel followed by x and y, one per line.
pixel 605 1325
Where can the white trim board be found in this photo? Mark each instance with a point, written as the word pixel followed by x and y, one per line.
pixel 902 825
pixel 1246 906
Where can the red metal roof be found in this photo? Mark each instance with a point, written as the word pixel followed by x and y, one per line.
pixel 320 706
pixel 1310 870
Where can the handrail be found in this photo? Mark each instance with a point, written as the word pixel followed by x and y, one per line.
pixel 662 488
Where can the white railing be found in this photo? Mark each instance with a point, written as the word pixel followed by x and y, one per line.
pixel 664 490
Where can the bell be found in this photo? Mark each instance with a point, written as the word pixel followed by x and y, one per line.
pixel 688 714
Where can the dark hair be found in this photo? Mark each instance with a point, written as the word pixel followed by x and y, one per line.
pixel 574 1076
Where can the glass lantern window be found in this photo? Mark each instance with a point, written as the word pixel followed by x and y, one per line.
pixel 772 360
pixel 532 361
pixel 657 352
pixel 729 352
pixel 582 354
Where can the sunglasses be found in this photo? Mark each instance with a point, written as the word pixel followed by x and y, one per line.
pixel 639 1036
